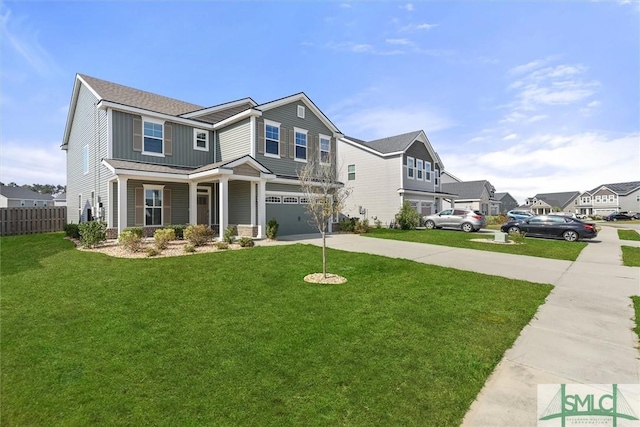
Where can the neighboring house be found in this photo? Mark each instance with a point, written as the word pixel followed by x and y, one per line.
pixel 507 202
pixel 544 203
pixel 15 197
pixel 447 177
pixel 135 158
pixel 476 195
pixel 60 199
pixel 608 198
pixel 383 173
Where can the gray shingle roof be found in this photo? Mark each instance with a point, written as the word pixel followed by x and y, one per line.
pixel 138 98
pixel 390 144
pixel 21 193
pixel 557 199
pixel 180 170
pixel 620 187
pixel 468 190
pixel 499 196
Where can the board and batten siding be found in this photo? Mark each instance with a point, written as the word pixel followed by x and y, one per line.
pixel 418 151
pixel 287 116
pixel 233 141
pixel 183 153
pixel 179 201
pixel 88 128
pixel 376 185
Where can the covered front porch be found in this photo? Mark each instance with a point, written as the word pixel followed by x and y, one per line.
pixel 218 195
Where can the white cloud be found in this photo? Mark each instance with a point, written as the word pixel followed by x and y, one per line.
pixel 345 5
pixel 510 137
pixel 408 7
pixel 537 118
pixel 30 162
pixel 418 27
pixel 404 42
pixel 362 48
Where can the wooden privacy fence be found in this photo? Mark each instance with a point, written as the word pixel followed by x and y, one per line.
pixel 32 220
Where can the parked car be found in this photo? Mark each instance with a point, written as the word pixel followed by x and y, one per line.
pixel 567 214
pixel 618 216
pixel 554 226
pixel 519 214
pixel 464 219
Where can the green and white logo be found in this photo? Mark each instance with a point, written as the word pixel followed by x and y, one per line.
pixel 616 405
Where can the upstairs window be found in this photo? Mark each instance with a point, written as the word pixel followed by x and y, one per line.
pixel 351 172
pixel 301 111
pixel 301 145
pixel 419 171
pixel 427 171
pixel 200 140
pixel 272 139
pixel 411 168
pixel 325 149
pixel 152 137
pixel 436 177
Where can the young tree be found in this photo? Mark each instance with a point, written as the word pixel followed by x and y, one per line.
pixel 326 196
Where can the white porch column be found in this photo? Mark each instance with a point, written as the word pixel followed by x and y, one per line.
pixel 193 203
pixel 223 202
pixel 262 209
pixel 253 203
pixel 122 204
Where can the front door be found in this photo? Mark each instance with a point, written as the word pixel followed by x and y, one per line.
pixel 203 209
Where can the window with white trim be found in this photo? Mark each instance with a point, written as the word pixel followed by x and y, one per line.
pixel 351 172
pixel 612 198
pixel 200 140
pixel 273 199
pixel 301 111
pixel 419 171
pixel 411 165
pixel 300 144
pixel 436 177
pixel 152 138
pixel 85 159
pixel 325 149
pixel 272 138
pixel 427 171
pixel 153 204
pixel 290 200
pixel 586 200
pixel 597 199
pixel 304 200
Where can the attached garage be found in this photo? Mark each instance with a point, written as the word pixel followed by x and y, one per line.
pixel 290 214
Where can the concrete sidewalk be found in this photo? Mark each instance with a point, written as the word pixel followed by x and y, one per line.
pixel 582 334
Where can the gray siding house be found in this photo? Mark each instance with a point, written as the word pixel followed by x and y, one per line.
pixel 16 197
pixel 544 203
pixel 507 202
pixel 136 158
pixel 608 198
pixel 383 173
pixel 476 195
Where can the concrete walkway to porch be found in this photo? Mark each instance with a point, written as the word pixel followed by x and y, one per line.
pixel 582 334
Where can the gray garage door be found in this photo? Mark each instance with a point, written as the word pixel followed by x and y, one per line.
pixel 292 218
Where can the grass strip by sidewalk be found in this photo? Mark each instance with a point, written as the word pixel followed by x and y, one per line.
pixel 237 338
pixel 630 256
pixel 543 248
pixel 636 307
pixel 628 234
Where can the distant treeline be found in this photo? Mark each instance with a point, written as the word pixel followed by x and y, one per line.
pixel 40 188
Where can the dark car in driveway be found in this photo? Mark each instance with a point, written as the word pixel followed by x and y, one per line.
pixel 618 216
pixel 553 226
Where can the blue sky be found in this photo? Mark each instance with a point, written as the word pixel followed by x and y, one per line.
pixel 533 96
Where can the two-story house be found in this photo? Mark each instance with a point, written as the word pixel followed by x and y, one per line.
pixel 136 158
pixel 544 203
pixel 477 195
pixel 608 198
pixel 383 173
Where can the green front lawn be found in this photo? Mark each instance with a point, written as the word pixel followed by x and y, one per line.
pixel 630 256
pixel 544 248
pixel 628 235
pixel 237 338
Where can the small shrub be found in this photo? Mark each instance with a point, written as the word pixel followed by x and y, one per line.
pixel 198 235
pixel 152 252
pixel 130 240
pixel 408 218
pixel 189 248
pixel 92 233
pixel 178 230
pixel 378 223
pixel 72 230
pixel 517 237
pixel 135 230
pixel 347 225
pixel 221 245
pixel 272 229
pixel 362 227
pixel 246 242
pixel 229 234
pixel 163 236
pixel 497 219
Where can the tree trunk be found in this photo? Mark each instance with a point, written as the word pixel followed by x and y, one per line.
pixel 324 255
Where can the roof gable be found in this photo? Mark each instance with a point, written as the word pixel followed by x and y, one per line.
pixel 307 101
pixel 558 199
pixel 621 188
pixel 468 190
